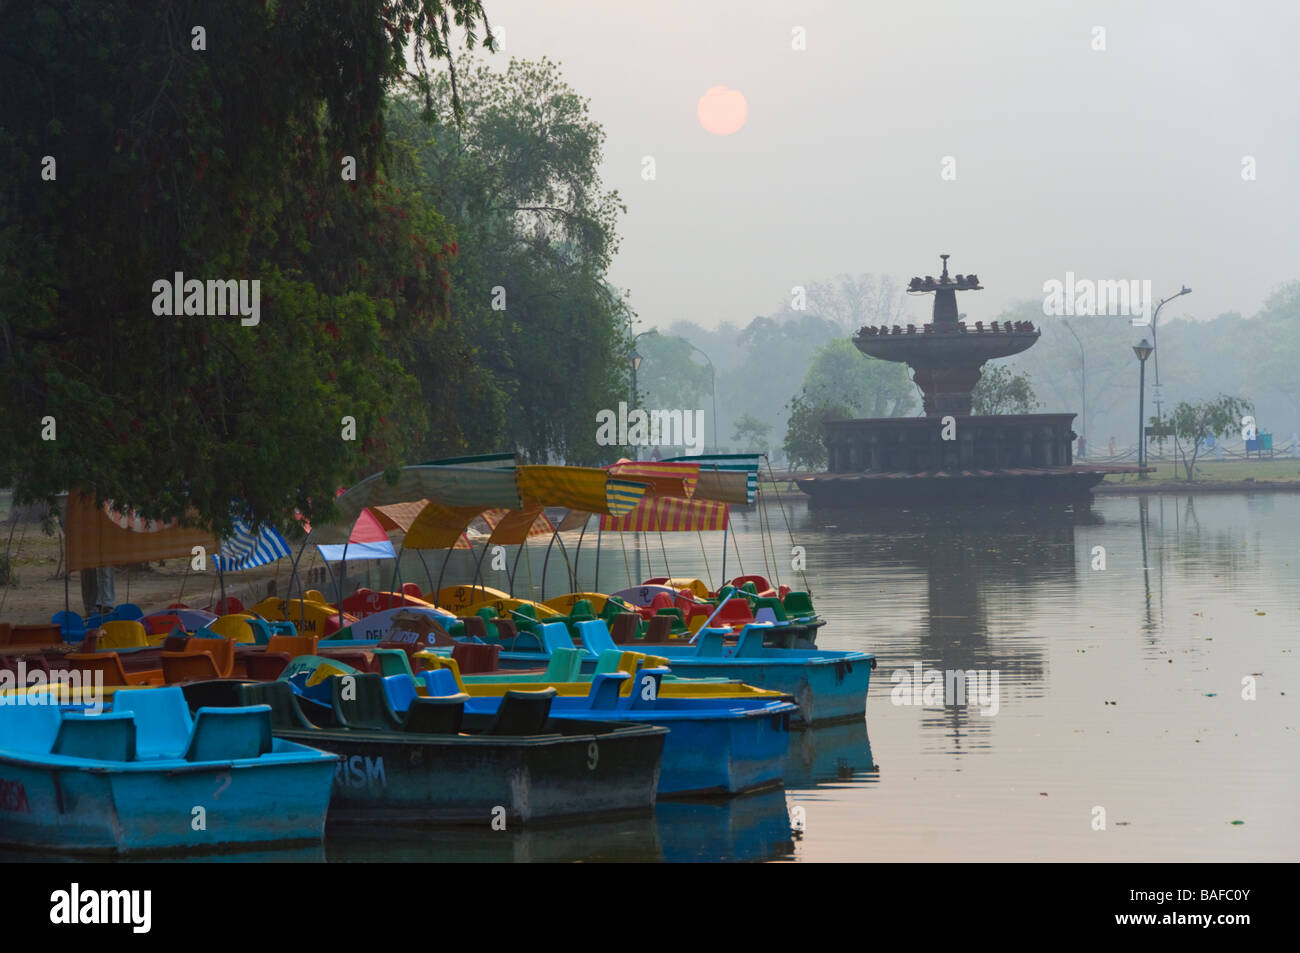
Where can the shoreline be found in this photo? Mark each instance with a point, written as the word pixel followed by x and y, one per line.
pixel 1136 488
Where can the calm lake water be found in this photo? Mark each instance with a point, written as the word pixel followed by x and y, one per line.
pixel 1119 690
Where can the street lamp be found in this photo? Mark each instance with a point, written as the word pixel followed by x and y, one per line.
pixel 713 391
pixel 1143 351
pixel 1083 392
pixel 1155 338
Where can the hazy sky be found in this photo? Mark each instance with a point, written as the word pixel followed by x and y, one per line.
pixel 1117 164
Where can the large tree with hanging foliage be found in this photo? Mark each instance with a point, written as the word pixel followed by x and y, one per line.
pixel 215 139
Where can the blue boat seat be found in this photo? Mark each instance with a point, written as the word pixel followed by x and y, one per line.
pixel 565 666
pixel 109 736
pixel 359 702
pixel 641 697
pixel 766 614
pixel 128 611
pixel 555 635
pixel 436 716
pixel 29 728
pixel 230 734
pixel 440 682
pixel 70 624
pixel 751 642
pixel 400 690
pixel 262 631
pixel 522 713
pixel 605 688
pixel 595 636
pixel 163 724
pixel 708 642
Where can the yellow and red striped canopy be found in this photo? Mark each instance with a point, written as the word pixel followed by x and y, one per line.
pixel 664 514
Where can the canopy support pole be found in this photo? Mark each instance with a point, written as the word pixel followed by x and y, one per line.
pixel 595 586
pixel 577 554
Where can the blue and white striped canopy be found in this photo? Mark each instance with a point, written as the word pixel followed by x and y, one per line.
pixel 244 550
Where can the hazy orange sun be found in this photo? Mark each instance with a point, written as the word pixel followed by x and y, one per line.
pixel 722 111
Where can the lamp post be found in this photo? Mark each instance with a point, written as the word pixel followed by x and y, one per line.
pixel 713 392
pixel 1143 351
pixel 1155 343
pixel 1083 390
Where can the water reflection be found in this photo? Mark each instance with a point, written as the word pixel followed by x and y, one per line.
pixel 831 753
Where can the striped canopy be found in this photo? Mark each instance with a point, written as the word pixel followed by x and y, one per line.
pixel 667 515
pixel 245 549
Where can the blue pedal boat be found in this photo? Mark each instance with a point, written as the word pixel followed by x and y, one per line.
pixel 147 777
pixel 715 746
pixel 827 685
pixel 434 762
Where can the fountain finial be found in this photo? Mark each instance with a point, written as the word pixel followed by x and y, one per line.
pixel 945 268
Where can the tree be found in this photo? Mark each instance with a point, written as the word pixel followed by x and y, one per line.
pixel 999 391
pixel 842 376
pixel 1193 423
pixel 669 375
pixel 223 157
pixel 751 434
pixel 805 437
pixel 536 232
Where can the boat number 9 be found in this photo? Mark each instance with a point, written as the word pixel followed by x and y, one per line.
pixel 593 756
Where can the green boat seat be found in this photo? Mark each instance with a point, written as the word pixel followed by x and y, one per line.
pixel 799 604
pixel 400 690
pixel 604 690
pixel 595 636
pixel 393 662
pixel 609 661
pixel 286 715
pixel 522 713
pixel 583 608
pixel 487 614
pixel 359 702
pixel 164 725
pixel 109 736
pixel 440 682
pixel 774 604
pixel 565 666
pixel 230 734
pixel 436 716
pixel 750 588
pixel 456 629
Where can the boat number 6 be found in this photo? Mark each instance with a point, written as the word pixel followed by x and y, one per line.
pixel 593 756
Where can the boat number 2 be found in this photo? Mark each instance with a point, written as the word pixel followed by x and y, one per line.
pixel 593 756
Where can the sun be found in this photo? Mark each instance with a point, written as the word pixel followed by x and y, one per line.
pixel 722 111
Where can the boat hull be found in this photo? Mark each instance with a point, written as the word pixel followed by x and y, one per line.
pixel 144 808
pixel 457 779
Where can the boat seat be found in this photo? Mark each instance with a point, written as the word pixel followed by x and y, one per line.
pixel 286 713
pixel 476 658
pixel 189 666
pixel 356 659
pixel 123 634
pixel 235 628
pixel 798 604
pixel 436 716
pixel 735 611
pixel 766 616
pixel 605 689
pixel 230 734
pixel 708 642
pixel 624 628
pixel 674 613
pixel 555 635
pixel 163 725
pixel 393 661
pixel 293 645
pixel 750 644
pixel 109 736
pixel 214 693
pixel 109 665
pixel 161 624
pixel 611 660
pixel 565 666
pixel 595 636
pixel 266 666
pixel 659 629
pixel 367 708
pixel 440 682
pixel 506 629
pixel 475 627
pixel 400 690
pixel 175 641
pixel 522 713
pixel 29 728
pixel 774 607
pixel 70 624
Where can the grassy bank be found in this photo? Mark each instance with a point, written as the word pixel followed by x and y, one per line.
pixel 1276 470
